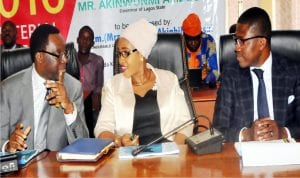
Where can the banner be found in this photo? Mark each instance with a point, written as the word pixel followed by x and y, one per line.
pixel 108 18
pixel 28 14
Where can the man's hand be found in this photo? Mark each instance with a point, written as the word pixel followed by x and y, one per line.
pixel 204 72
pixel 17 139
pixel 264 129
pixel 59 95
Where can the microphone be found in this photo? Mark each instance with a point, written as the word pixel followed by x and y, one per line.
pixel 168 134
pixel 208 141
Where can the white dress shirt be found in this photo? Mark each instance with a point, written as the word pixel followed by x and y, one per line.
pixel 267 75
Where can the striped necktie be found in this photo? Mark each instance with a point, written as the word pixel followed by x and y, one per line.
pixel 40 142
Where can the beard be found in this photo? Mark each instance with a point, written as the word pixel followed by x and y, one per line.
pixel 193 48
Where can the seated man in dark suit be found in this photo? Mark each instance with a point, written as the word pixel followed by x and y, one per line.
pixel 259 97
pixel 9 36
pixel 42 97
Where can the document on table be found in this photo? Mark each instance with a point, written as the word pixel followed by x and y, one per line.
pixel 167 148
pixel 266 153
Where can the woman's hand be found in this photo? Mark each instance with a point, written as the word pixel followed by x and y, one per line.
pixel 129 140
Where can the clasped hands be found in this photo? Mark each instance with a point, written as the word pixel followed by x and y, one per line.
pixel 58 95
pixel 264 129
pixel 126 140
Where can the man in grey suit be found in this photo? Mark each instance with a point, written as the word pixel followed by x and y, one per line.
pixel 238 111
pixel 25 124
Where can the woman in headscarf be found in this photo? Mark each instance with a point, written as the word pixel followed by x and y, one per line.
pixel 142 103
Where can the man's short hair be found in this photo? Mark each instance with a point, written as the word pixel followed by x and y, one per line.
pixel 87 28
pixel 10 23
pixel 260 18
pixel 39 38
pixel 232 28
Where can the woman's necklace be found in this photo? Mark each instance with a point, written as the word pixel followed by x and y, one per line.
pixel 145 79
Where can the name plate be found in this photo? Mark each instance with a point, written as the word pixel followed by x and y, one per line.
pixel 269 153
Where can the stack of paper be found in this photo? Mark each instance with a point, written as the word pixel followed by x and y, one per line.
pixel 153 150
pixel 268 153
pixel 79 167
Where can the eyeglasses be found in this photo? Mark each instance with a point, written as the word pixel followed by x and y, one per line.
pixel 58 56
pixel 240 42
pixel 125 54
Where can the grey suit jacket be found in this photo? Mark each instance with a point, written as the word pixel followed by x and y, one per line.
pixel 17 106
pixel 234 105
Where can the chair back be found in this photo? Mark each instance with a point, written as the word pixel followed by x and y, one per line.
pixel 14 61
pixel 286 43
pixel 169 54
pixel 19 59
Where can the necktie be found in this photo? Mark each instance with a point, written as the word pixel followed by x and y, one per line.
pixel 262 103
pixel 40 139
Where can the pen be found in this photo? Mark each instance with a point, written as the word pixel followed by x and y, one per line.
pixel 131 137
pixel 285 140
pixel 57 105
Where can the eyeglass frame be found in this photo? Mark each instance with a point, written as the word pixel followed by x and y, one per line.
pixel 242 41
pixel 58 56
pixel 126 53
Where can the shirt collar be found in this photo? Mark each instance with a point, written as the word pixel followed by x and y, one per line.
pixel 36 78
pixel 88 59
pixel 9 49
pixel 267 65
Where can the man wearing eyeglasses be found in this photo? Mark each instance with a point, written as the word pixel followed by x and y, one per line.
pixel 42 106
pixel 259 97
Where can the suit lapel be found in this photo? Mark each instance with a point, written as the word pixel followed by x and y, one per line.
pixel 27 103
pixel 279 82
pixel 245 91
pixel 126 99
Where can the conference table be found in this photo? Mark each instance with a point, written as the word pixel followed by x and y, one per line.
pixel 187 164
